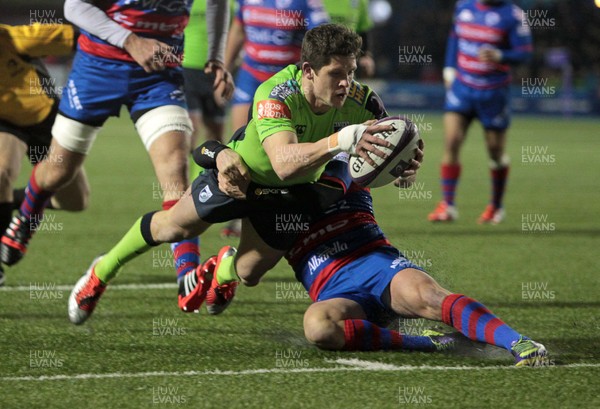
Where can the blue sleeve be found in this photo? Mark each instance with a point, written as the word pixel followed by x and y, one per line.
pixel 337 171
pixel 451 48
pixel 521 44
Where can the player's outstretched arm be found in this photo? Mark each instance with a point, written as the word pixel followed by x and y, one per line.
pixel 353 139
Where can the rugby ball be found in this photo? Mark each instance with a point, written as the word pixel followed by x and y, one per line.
pixel 405 138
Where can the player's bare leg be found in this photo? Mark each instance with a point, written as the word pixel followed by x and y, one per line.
pixel 455 132
pixel 12 151
pixel 247 265
pixel 499 168
pixel 75 195
pixel 324 322
pixel 413 293
pixel 180 222
pixel 169 155
pixel 342 324
pixel 55 171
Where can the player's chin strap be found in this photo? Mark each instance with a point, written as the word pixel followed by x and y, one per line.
pixel 346 139
pixel 205 155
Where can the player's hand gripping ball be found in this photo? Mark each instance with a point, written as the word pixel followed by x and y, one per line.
pixel 405 138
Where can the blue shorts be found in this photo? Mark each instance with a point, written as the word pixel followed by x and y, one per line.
pixel 490 106
pixel 365 281
pixel 98 87
pixel 245 87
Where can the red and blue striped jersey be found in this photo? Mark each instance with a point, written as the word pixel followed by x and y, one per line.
pixel 274 30
pixel 163 20
pixel 499 25
pixel 347 231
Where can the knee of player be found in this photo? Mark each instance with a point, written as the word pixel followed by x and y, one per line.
pixel 431 296
pixel 55 177
pixel 323 333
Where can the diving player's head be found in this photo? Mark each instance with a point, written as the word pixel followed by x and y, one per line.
pixel 329 54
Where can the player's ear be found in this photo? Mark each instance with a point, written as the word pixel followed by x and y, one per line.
pixel 307 70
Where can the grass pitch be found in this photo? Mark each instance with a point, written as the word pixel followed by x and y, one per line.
pixel 538 271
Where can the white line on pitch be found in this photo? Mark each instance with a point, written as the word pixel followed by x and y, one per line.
pixel 353 365
pixel 40 285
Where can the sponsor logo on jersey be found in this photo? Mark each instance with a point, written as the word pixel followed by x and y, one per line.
pixel 357 93
pixel 270 191
pixel 337 126
pixel 315 261
pixel 318 235
pixel 205 194
pixel 268 36
pixel 284 90
pixel 273 109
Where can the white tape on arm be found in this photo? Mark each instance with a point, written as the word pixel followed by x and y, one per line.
pixel 346 139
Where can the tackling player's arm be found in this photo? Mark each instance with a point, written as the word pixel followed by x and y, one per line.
pixel 86 15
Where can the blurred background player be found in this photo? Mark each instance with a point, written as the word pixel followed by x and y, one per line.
pixel 354 14
pixel 270 32
pixel 206 107
pixel 128 54
pixel 485 39
pixel 28 106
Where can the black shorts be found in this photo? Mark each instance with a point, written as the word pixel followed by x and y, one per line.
pixel 199 93
pixel 212 205
pixel 37 137
pixel 277 226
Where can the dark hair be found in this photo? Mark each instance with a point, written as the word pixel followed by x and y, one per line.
pixel 327 40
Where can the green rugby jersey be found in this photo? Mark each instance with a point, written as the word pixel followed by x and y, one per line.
pixel 195 40
pixel 353 14
pixel 195 45
pixel 279 105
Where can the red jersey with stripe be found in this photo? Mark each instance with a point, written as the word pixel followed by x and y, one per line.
pixel 476 25
pixel 274 31
pixel 346 232
pixel 163 20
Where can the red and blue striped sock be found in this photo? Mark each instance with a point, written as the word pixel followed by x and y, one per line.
pixel 35 200
pixel 186 252
pixel 449 176
pixel 475 321
pixel 499 177
pixel 362 335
